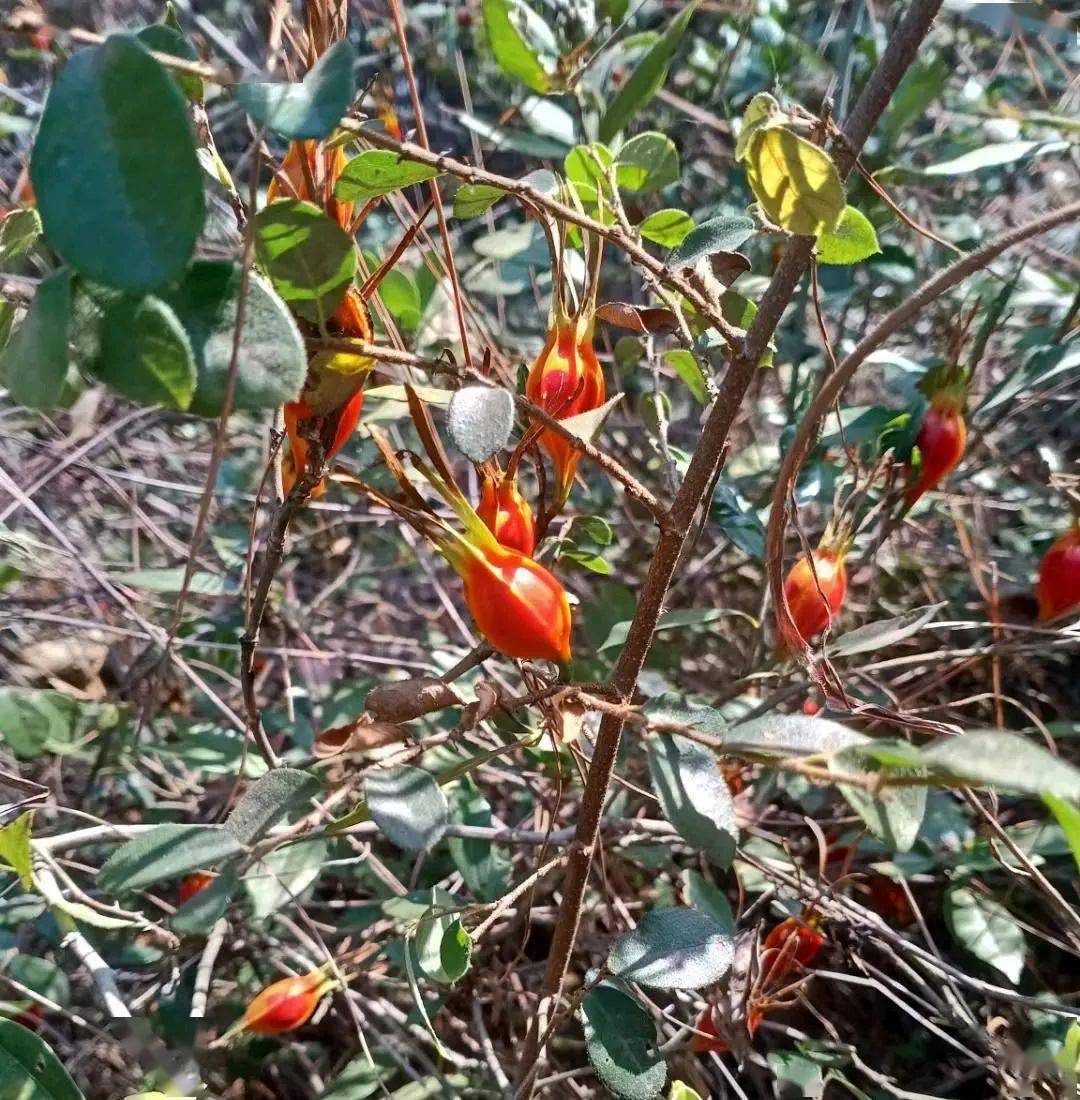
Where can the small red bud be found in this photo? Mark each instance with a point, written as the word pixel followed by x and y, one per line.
pixel 507 515
pixel 196 882
pixel 565 380
pixel 710 1041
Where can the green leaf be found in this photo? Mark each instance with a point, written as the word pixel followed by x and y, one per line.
pixel 19 229
pixel 922 84
pixel 992 156
pixel 715 235
pixel 15 848
pixel 310 259
pixel 990 758
pixel 401 296
pixel 799 1070
pixel 852 240
pixel 473 199
pixel 40 975
pixel 682 1091
pixel 484 866
pixel 282 876
pixel 114 169
pixel 170 580
pixel 738 519
pixel 647 78
pixel 361 1078
pixel 198 915
pixel 703 895
pixel 884 633
pixel 512 51
pixel 408 806
pixel 984 927
pixel 693 794
pixel 480 420
pixel 586 559
pixel 667 228
pixel 161 38
pixel 431 931
pixel 29 1070
pixel 380 172
pixel 310 109
pixel 647 163
pixel 673 949
pixel 780 735
pixel 166 852
pixel 456 951
pixel 795 182
pixel 145 353
pixel 34 365
pixel 1068 817
pixel 272 362
pixel 35 722
pixel 686 366
pixel 276 795
pixel 621 1040
pixel 895 814
pixel 585 167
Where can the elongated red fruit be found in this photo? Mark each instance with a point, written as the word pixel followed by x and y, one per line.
pixel 285 1005
pixel 1058 589
pixel 813 604
pixel 507 514
pixel 941 442
pixel 519 607
pixel 566 380
pixel 196 882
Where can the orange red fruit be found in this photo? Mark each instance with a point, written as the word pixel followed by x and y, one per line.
pixel 815 593
pixel 507 514
pixel 566 380
pixel 1058 587
pixel 285 1005
pixel 941 442
pixel 193 884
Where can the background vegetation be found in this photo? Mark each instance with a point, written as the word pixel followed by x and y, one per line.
pixel 138 509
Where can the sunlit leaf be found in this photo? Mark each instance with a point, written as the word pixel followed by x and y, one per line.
pixel 795 182
pixel 852 240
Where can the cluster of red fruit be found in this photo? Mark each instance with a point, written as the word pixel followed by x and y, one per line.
pixel 817 584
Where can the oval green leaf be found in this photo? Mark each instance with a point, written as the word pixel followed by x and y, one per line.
pixel 516 57
pixel 310 109
pixel 309 258
pixel 34 365
pixel 145 353
pixel 380 172
pixel 166 852
pixel 114 168
pixel 852 240
pixel 673 949
pixel 272 363
pixel 621 1040
pixel 29 1070
pixel 724 234
pixel 408 806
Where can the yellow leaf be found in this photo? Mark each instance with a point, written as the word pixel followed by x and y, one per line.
pixel 15 848
pixel 795 182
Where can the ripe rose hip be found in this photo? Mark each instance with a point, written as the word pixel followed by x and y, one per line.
pixel 1058 588
pixel 285 1005
pixel 814 603
pixel 941 441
